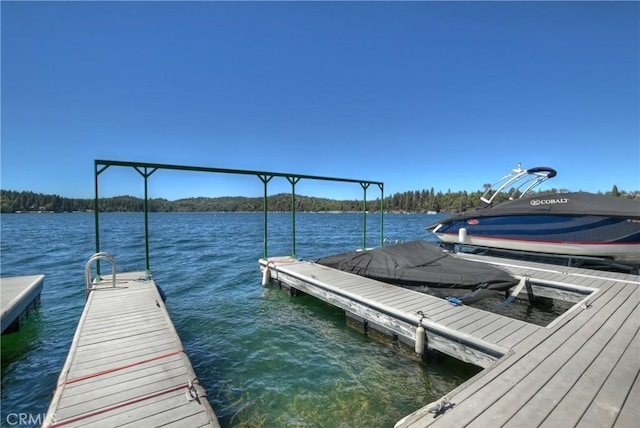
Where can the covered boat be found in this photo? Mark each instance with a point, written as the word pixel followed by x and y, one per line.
pixel 422 264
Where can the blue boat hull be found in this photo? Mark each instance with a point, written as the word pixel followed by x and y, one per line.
pixel 580 235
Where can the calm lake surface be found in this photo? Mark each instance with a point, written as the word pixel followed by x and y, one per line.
pixel 266 359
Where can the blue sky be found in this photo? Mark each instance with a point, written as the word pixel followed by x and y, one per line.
pixel 449 95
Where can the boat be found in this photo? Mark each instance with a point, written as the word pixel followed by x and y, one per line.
pixel 424 265
pixel 574 224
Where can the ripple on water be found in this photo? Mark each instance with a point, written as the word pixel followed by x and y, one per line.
pixel 265 358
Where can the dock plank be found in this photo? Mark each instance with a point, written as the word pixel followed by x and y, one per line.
pixel 581 371
pixel 134 414
pixel 126 365
pixel 587 387
pixel 487 329
pixel 619 387
pixel 101 363
pixel 628 415
pixel 560 372
pixel 426 306
pixel 137 352
pixel 462 316
pixel 513 334
pixel 493 389
pixel 402 299
pixel 108 391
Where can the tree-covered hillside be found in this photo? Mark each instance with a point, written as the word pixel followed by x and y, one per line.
pixel 411 201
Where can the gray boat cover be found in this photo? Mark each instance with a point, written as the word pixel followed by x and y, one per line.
pixel 420 263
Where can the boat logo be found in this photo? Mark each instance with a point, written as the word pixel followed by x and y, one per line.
pixel 473 221
pixel 536 202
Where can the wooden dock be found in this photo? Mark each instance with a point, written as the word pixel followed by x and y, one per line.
pixel 19 296
pixel 583 369
pixel 126 365
pixel 468 334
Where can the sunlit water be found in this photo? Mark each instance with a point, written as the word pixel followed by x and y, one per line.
pixel 266 359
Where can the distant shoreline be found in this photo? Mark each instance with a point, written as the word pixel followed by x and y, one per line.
pixel 424 201
pixel 216 212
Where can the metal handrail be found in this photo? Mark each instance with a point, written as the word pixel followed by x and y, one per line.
pixel 87 270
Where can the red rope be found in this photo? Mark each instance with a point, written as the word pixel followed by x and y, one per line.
pixel 114 369
pixel 115 406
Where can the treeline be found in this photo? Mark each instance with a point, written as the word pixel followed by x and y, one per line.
pixel 12 202
pixel 431 201
pixel 410 201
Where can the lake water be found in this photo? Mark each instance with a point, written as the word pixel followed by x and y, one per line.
pixel 266 359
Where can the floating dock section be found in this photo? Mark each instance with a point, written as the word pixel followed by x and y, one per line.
pixel 19 295
pixel 126 365
pixel 471 335
pixel 583 369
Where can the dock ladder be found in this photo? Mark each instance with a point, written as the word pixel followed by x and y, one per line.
pixel 91 285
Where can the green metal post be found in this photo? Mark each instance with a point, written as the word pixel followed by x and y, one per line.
pixel 293 180
pixel 96 211
pixel 265 179
pixel 146 175
pixel 96 206
pixel 381 214
pixel 364 216
pixel 146 221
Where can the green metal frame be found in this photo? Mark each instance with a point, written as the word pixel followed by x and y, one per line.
pixel 147 169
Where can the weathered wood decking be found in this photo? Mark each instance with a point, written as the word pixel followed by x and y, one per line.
pixel 581 370
pixel 126 365
pixel 469 334
pixel 19 295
